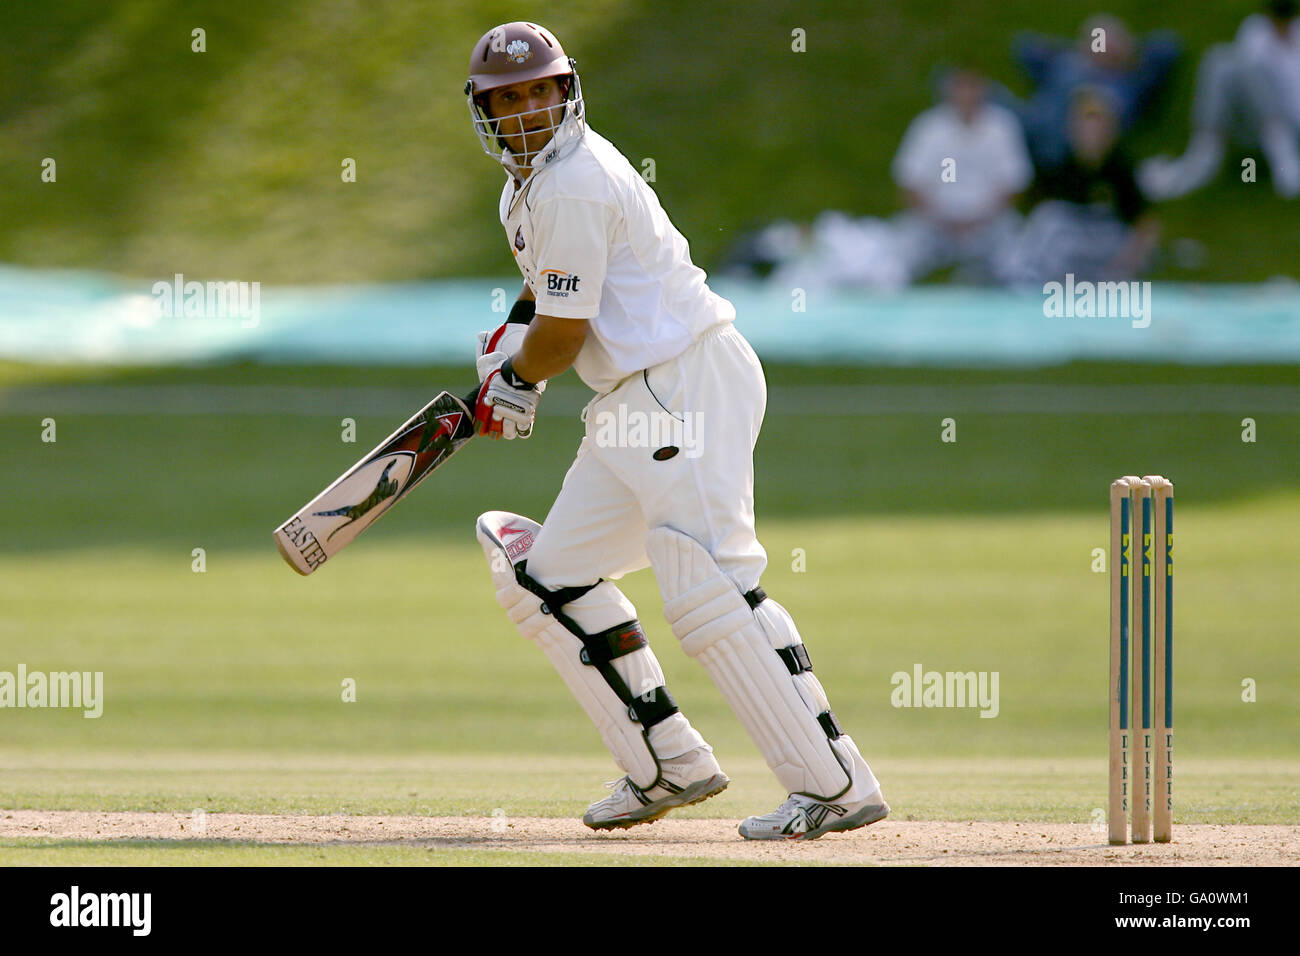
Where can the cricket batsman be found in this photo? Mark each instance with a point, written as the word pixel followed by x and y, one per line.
pixel 663 477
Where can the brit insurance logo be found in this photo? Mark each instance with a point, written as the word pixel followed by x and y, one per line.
pixel 560 283
pixel 518 51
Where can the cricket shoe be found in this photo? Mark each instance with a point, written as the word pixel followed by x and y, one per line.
pixel 804 818
pixel 690 778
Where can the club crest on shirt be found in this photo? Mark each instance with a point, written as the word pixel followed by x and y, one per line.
pixel 518 51
pixel 519 238
pixel 560 283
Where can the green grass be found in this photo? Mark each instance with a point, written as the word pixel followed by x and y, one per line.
pixel 1052 789
pixel 227 163
pixel 223 688
pixel 112 478
pixel 249 656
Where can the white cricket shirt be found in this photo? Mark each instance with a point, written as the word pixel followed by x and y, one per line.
pixel 989 160
pixel 593 243
pixel 1279 57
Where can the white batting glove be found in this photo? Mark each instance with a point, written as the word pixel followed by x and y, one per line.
pixel 506 338
pixel 506 406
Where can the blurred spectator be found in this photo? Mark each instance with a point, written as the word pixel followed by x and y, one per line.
pixel 1247 91
pixel 960 166
pixel 759 251
pixel 836 251
pixel 1092 221
pixel 1111 60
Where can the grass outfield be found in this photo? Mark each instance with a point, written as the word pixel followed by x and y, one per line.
pixel 223 689
pixel 1221 790
pixel 249 656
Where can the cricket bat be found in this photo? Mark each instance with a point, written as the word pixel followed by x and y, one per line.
pixel 356 499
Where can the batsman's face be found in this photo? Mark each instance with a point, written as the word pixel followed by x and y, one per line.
pixel 527 114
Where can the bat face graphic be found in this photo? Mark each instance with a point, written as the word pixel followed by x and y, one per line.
pixel 417 449
pixel 435 440
pixel 374 484
pixel 384 490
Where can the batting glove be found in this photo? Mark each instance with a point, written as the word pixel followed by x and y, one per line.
pixel 505 339
pixel 506 404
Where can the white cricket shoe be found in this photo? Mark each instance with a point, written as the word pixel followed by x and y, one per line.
pixel 690 778
pixel 803 818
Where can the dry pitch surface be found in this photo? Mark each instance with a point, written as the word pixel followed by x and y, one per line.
pixel 906 843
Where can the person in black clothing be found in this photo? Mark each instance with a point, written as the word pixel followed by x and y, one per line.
pixel 1090 218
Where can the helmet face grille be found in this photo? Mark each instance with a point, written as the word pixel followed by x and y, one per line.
pixel 550 129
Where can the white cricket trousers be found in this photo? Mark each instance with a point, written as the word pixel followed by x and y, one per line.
pixel 627 478
pixel 708 403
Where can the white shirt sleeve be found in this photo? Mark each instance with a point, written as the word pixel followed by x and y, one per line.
pixel 572 239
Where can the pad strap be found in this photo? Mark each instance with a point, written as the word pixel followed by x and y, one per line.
pixel 652 707
pixel 600 650
pixel 830 724
pixel 796 658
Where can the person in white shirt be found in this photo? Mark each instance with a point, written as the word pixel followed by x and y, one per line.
pixel 663 477
pixel 960 166
pixel 1247 91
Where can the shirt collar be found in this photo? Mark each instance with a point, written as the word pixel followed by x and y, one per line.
pixel 565 140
